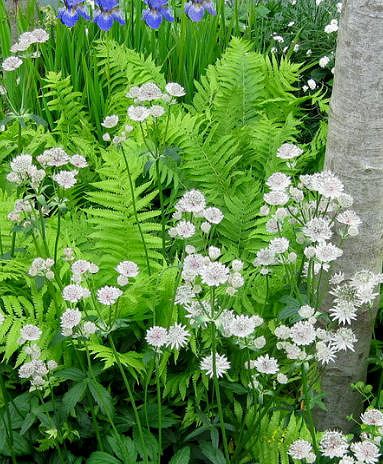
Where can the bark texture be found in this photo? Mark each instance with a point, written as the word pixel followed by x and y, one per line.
pixel 355 153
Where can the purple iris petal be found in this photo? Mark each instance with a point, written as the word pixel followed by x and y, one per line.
pixel 153 18
pixel 210 8
pixel 68 17
pixel 107 5
pixel 82 12
pixel 195 11
pixel 118 17
pixel 103 20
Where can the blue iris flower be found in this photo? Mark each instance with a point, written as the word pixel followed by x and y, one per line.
pixel 72 11
pixel 156 12
pixel 107 13
pixel 195 9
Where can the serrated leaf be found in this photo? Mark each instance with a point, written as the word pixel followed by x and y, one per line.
pixel 102 397
pixel 182 456
pixel 100 457
pixel 74 395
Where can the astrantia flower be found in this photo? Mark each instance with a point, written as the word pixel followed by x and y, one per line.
pixel 300 449
pixel 306 312
pixel 177 336
pixel 276 198
pixel 302 333
pixel 156 12
pixel 73 10
pixel 279 245
pixel 329 185
pixel 324 61
pixel 193 265
pixel 107 13
pixel 53 157
pixel 372 417
pixel 185 229
pixel 222 365
pixel 195 9
pixel 89 328
pixel 157 111
pixel 192 201
pixel 213 215
pixel 318 229
pixel 343 312
pixel 78 161
pixel 332 27
pixel 366 452
pixel 74 293
pixel 127 269
pixel 30 332
pixel 69 320
pixel 214 274
pixel 278 181
pixel 289 151
pixel 344 339
pixel 266 364
pixel 333 444
pixel 138 113
pixel 108 295
pixel 110 121
pixel 156 336
pixel 175 90
pixel 243 326
pixel 11 63
pixel 66 179
pixel 265 257
pixel 282 332
pixel 327 252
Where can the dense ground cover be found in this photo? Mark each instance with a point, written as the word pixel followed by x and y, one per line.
pixel 166 239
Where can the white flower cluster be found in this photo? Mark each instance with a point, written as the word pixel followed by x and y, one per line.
pixel 175 337
pixel 149 100
pixel 42 267
pixel 126 270
pixel 72 325
pixel 335 445
pixel 23 171
pixel 217 365
pixel 81 268
pixel 332 26
pixel 36 370
pixel 193 205
pixel 25 40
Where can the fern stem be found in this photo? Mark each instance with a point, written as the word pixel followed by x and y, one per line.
pixel 131 397
pixel 135 211
pixel 215 380
pixel 162 206
pixel 8 428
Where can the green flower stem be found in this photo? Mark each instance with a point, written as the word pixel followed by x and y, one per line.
pixel 162 206
pixel 215 379
pixel 131 397
pixel 307 410
pixel 57 235
pixel 8 426
pixel 159 408
pixel 135 211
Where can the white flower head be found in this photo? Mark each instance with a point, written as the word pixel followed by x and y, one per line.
pixel 266 364
pixel 66 179
pixel 366 452
pixel 108 295
pixel 138 113
pixel 213 215
pixel 222 365
pixel 74 293
pixel 177 336
pixel 110 121
pixel 11 63
pixel 29 333
pixel 156 336
pixel 372 417
pixel 175 90
pixel 333 444
pixel 289 151
pixel 127 269
pixel 327 252
pixel 300 449
pixel 278 181
pixel 214 274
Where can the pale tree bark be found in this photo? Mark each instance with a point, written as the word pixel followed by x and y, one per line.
pixel 355 153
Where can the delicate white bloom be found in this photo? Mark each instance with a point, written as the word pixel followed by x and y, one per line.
pixel 214 274
pixel 333 444
pixel 74 293
pixel 185 229
pixel 279 245
pixel 311 84
pixel 78 161
pixel 306 312
pixel 149 92
pixel 236 280
pixel 266 364
pixel 272 226
pixel 344 339
pixel 156 336
pixel 193 265
pixel 366 452
pixel 122 280
pixel 243 326
pixel 347 460
pixel 205 227
pixel 108 295
pixel 282 332
pixel 68 254
pixel 175 90
pixel 305 88
pixel 66 179
pixel 318 229
pixel 89 328
pixel 337 278
pixel 177 336
pixel 278 38
pixel 70 319
pixel 372 417
pixel 40 35
pixel 222 365
pixel 138 113
pixel 303 333
pixel 53 157
pixel 332 27
pixel 51 365
pixel 157 111
pixel 237 265
pixel 127 269
pixel 213 215
pixel 30 332
pixel 110 121
pixel 276 198
pixel 325 353
pixel 184 295
pixel 329 185
pixel 300 449
pixel 11 63
pixel 82 266
pixel 106 137
pixel 214 252
pixel 264 210
pixel 259 343
pixel 349 218
pixel 278 181
pixel 327 252
pixel 42 267
pixel 343 312
pixel 282 378
pixel 324 61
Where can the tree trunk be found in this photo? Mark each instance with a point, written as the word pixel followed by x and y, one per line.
pixel 355 153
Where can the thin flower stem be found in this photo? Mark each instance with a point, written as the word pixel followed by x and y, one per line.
pixel 159 408
pixel 135 211
pixel 161 193
pixel 307 410
pixel 8 426
pixel 131 397
pixel 57 235
pixel 215 379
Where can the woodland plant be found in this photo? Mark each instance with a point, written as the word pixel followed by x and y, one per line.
pixel 164 264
